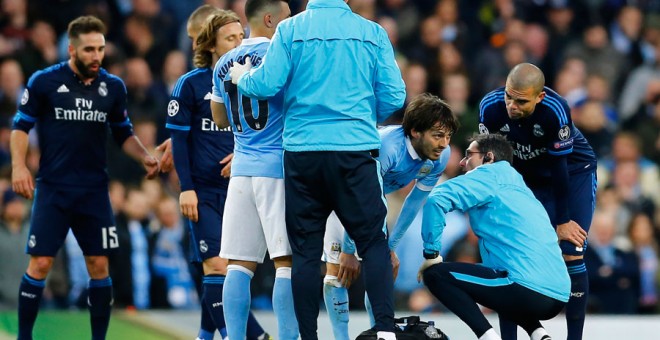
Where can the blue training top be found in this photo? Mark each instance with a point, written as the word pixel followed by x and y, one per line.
pixel 514 230
pixel 339 78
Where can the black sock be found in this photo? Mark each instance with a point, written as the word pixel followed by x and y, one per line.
pixel 29 297
pixel 100 305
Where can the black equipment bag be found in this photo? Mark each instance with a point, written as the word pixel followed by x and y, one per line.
pixel 410 328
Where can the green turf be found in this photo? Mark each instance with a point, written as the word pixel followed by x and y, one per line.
pixel 61 325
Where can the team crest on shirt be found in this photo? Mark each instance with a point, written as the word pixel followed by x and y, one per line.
pixel 203 247
pixel 564 132
pixel 335 247
pixel 483 130
pixel 25 97
pixel 103 89
pixel 173 108
pixel 33 241
pixel 538 132
pixel 425 170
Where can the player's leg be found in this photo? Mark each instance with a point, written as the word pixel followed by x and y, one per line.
pixel 582 203
pixel 462 286
pixel 335 295
pixel 48 230
pixel 93 226
pixel 269 198
pixel 360 206
pixel 244 246
pixel 206 240
pixel 207 325
pixel 307 210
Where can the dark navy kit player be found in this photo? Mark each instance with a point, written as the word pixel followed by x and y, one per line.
pixel 72 104
pixel 558 165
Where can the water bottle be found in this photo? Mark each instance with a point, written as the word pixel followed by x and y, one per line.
pixel 431 332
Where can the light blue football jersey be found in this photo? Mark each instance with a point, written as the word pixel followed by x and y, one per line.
pixel 257 124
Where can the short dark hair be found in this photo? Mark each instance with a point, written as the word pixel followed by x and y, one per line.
pixel 85 24
pixel 497 144
pixel 424 111
pixel 254 7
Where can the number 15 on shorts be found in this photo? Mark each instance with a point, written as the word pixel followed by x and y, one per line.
pixel 110 239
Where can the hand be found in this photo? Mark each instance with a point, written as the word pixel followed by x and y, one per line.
pixel 151 165
pixel 166 160
pixel 22 182
pixel 425 265
pixel 226 170
pixel 237 70
pixel 349 269
pixel 188 204
pixel 395 264
pixel 572 232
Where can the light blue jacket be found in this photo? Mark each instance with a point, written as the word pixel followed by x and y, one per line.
pixel 339 78
pixel 513 228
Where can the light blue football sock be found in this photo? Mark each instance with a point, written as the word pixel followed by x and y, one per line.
pixel 283 305
pixel 236 300
pixel 336 304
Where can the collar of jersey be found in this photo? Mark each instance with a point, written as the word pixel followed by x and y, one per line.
pixel 254 41
pixel 411 150
pixel 327 4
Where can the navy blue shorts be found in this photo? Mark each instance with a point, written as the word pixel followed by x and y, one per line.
pixel 86 211
pixel 206 232
pixel 346 182
pixel 581 202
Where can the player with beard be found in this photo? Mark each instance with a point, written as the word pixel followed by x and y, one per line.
pixel 72 103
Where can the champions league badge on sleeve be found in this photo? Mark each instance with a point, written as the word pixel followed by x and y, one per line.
pixel 564 132
pixel 483 130
pixel 173 108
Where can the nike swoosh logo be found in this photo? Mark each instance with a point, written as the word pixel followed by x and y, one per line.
pixel 340 303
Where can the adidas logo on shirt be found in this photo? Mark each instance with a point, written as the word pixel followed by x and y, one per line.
pixel 62 89
pixel 505 128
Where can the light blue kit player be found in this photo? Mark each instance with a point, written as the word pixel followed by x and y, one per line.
pixel 418 150
pixel 254 219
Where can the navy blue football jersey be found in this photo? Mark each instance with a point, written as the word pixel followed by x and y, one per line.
pixel 548 132
pixel 72 122
pixel 189 110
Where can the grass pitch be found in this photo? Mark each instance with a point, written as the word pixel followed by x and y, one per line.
pixel 66 325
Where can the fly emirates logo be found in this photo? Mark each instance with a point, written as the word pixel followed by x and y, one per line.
pixel 82 112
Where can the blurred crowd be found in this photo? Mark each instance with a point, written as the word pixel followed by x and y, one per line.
pixel 603 56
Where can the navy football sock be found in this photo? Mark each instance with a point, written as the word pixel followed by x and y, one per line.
pixel 100 305
pixel 212 297
pixel 29 296
pixel 207 325
pixel 577 304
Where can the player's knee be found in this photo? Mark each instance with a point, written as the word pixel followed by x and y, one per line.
pixel 215 266
pixel 97 267
pixel 283 261
pixel 39 266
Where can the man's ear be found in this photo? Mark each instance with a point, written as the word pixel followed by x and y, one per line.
pixel 489 157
